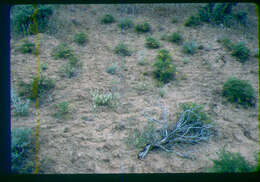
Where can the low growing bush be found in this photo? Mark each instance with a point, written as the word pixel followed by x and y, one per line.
pixel 192 21
pixel 152 43
pixel 20 107
pixel 176 37
pixel 107 19
pixel 142 27
pixel 81 38
pixel 62 51
pixel 106 99
pixel 122 50
pixel 126 24
pixel 190 47
pixel 27 47
pixel 61 110
pixel 239 91
pixel 240 51
pixel 112 69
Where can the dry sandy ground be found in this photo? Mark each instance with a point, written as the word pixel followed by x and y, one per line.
pixel 93 141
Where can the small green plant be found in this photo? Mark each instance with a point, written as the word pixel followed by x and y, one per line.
pixel 107 19
pixel 164 69
pixel 240 51
pixel 122 50
pixel 241 17
pixel 27 47
pixel 161 92
pixel 44 66
pixel 190 47
pixel 62 51
pixel 142 87
pixel 226 43
pixel 230 162
pixel 20 107
pixel 174 20
pixel 81 38
pixel 112 69
pixel 239 91
pixel 142 27
pixel 61 110
pixel 68 70
pixel 175 37
pixel 21 146
pixel 192 21
pixel 152 43
pixel 107 99
pixel 186 60
pixel 126 24
pixel 142 62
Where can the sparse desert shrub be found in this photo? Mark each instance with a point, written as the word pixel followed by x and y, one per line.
pixel 81 38
pixel 61 110
pixel 22 21
pixel 112 69
pixel 230 162
pixel 62 51
pixel 239 91
pixel 164 69
pixel 107 19
pixel 190 47
pixel 227 43
pixel 142 87
pixel 32 90
pixel 240 51
pixel 176 37
pixel 186 60
pixel 27 47
pixel 126 24
pixel 43 66
pixel 21 146
pixel 192 21
pixel 122 50
pixel 20 107
pixel 68 70
pixel 152 43
pixel 174 20
pixel 241 17
pixel 107 99
pixel 161 92
pixel 142 62
pixel 142 27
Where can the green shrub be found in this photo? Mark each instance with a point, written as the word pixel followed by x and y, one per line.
pixel 241 17
pixel 61 110
pixel 152 43
pixel 197 112
pixel 81 38
pixel 62 51
pixel 142 62
pixel 174 20
pixel 142 27
pixel 30 89
pixel 161 92
pixel 43 66
pixel 107 19
pixel 125 24
pixel 22 21
pixel 164 69
pixel 68 70
pixel 176 37
pixel 112 69
pixel 186 60
pixel 107 99
pixel 20 107
pixel 190 47
pixel 122 50
pixel 240 51
pixel 27 47
pixel 239 91
pixel 227 43
pixel 229 162
pixel 21 146
pixel 192 21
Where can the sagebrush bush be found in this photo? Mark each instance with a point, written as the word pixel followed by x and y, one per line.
pixel 61 109
pixel 62 51
pixel 21 146
pixel 142 27
pixel 27 47
pixel 107 19
pixel 230 162
pixel 81 38
pixel 192 21
pixel 20 107
pixel 68 70
pixel 22 21
pixel 43 66
pixel 106 99
pixel 122 50
pixel 240 51
pixel 164 69
pixel 190 47
pixel 32 90
pixel 161 92
pixel 112 69
pixel 197 112
pixel 125 24
pixel 226 43
pixel 239 91
pixel 152 43
pixel 176 37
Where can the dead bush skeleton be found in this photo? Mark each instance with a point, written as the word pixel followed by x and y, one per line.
pixel 189 129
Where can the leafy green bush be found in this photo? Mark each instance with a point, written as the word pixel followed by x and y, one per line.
pixel 30 89
pixel 161 92
pixel 241 17
pixel 176 37
pixel 107 19
pixel 20 107
pixel 122 50
pixel 81 38
pixel 240 51
pixel 107 99
pixel 227 43
pixel 197 111
pixel 230 162
pixel 27 47
pixel 112 69
pixel 21 146
pixel 142 27
pixel 152 43
pixel 22 21
pixel 190 47
pixel 239 91
pixel 43 66
pixel 125 24
pixel 164 69
pixel 62 51
pixel 192 21
pixel 61 109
